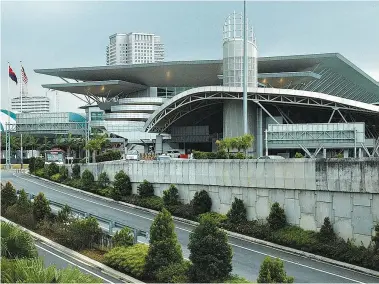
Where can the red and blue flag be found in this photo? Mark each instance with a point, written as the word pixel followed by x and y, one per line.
pixel 12 75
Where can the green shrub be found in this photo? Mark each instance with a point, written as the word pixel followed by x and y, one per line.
pixel 299 155
pixel 124 237
pixel 210 253
pixel 64 214
pixel 16 243
pixel 272 271
pixel 217 217
pixel 41 207
pixel 240 156
pixel 56 178
pixel 51 169
pixel 171 196
pixel 36 164
pixel 8 196
pixel 104 180
pixel 164 249
pixel 183 210
pixel 277 217
pixel 153 202
pixel 145 189
pixel 295 237
pixel 174 273
pixel 106 192
pixel 339 156
pixel 88 180
pixel 76 172
pixel 22 212
pixel 130 260
pixel 121 185
pixel 77 183
pixel 40 173
pixel 236 279
pixel 237 213
pixel 201 202
pixel 82 233
pixel 34 271
pixel 326 232
pixel 222 154
pixel 375 239
pixel 255 229
pixel 63 171
pixel 109 155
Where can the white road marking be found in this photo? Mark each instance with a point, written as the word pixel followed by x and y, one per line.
pixel 296 263
pixel 75 264
pixel 143 217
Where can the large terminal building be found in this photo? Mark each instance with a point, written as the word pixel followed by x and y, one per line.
pixel 317 104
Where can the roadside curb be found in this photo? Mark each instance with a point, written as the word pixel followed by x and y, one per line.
pixel 106 269
pixel 232 234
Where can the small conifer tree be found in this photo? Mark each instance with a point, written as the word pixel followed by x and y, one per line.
pixel 237 214
pixel 41 207
pixel 164 249
pixel 277 217
pixel 272 271
pixel 210 253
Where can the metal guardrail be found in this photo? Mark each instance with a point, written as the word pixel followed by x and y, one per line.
pixel 83 214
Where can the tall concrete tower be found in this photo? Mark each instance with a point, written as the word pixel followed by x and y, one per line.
pixel 233 52
pixel 233 46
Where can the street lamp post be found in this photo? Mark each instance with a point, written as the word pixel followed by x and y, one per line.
pixel 245 127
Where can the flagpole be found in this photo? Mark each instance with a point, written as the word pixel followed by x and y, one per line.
pixel 22 152
pixel 7 129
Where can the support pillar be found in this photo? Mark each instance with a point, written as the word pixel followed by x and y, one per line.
pixel 259 138
pixel 324 153
pixel 360 153
pixel 346 153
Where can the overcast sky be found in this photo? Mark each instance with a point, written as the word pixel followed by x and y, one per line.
pixel 53 34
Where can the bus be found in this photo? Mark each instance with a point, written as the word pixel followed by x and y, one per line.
pixel 57 156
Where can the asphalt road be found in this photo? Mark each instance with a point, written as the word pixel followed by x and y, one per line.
pixel 247 256
pixel 60 260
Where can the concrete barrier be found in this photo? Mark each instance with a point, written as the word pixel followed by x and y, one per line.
pixel 345 190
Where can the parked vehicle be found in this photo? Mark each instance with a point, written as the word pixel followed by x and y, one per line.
pixel 174 153
pixel 271 157
pixel 163 157
pixel 132 155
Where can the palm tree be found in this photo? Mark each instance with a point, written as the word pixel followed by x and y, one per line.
pixel 246 142
pixel 225 144
pixel 95 144
pixel 70 142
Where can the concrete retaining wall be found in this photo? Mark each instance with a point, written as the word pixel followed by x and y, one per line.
pixel 346 191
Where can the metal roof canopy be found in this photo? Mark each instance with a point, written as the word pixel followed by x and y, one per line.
pixel 98 88
pixel 205 73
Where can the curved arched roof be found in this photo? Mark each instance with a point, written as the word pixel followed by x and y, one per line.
pixel 172 107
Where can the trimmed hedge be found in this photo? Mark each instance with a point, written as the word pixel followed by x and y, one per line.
pixel 130 260
pixel 109 155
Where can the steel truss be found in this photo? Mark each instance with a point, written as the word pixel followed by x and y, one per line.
pixel 187 104
pixel 59 128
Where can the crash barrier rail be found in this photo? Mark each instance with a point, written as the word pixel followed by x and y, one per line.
pixel 111 223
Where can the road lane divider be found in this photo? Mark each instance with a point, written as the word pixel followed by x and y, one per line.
pixel 230 234
pixel 77 256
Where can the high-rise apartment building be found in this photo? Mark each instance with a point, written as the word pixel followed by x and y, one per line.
pixel 134 48
pixel 31 104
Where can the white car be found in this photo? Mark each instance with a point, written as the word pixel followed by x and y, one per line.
pixel 174 153
pixel 163 158
pixel 132 155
